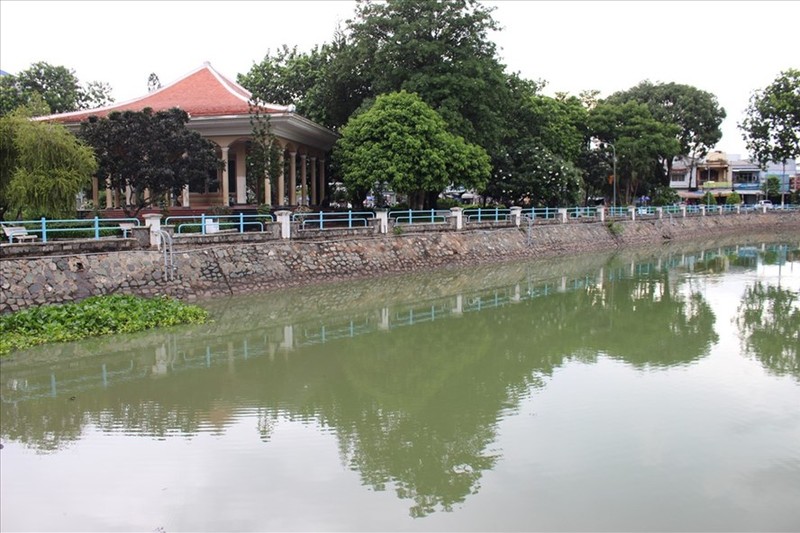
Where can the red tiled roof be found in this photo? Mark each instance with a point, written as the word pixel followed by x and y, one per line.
pixel 201 93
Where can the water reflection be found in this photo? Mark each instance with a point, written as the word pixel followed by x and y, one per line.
pixel 412 386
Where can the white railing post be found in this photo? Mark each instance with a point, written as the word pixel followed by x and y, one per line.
pixel 285 220
pixel 562 211
pixel 601 213
pixel 458 214
pixel 702 210
pixel 516 215
pixel 153 221
pixel 660 212
pixel 383 220
pixel 632 212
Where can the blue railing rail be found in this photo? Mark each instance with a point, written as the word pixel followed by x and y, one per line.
pixel 76 228
pixel 333 219
pixel 215 223
pixel 424 216
pixel 541 212
pixel 487 214
pixel 582 212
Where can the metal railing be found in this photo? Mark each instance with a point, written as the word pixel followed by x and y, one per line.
pixel 333 220
pixel 427 216
pixel 206 224
pixel 491 214
pixel 76 228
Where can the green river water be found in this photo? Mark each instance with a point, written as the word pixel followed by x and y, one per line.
pixel 656 390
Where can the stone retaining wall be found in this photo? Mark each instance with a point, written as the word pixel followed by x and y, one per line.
pixel 222 268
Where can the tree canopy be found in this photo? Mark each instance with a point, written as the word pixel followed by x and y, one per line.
pixel 771 127
pixel 56 85
pixel 402 142
pixel 152 153
pixel 697 113
pixel 42 168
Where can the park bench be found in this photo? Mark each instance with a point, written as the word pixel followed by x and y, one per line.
pixel 19 233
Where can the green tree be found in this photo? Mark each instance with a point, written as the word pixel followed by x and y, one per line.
pixel 771 127
pixel 440 51
pixel 43 167
pixel 264 156
pixel 665 196
pixel 642 145
pixel 543 138
pixel 150 153
pixel 733 199
pixel 697 114
pixel 402 142
pixel 772 186
pixel 57 85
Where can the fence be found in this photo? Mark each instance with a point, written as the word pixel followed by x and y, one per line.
pixel 333 220
pixel 205 224
pixel 75 228
pixel 97 228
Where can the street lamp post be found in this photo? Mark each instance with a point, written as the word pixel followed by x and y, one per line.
pixel 614 169
pixel 614 166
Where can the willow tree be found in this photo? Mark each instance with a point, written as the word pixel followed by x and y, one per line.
pixel 43 168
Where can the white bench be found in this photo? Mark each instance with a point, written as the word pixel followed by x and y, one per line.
pixel 126 227
pixel 18 232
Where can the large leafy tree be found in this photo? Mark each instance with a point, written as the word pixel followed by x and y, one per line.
pixel 152 153
pixel 403 143
pixel 57 85
pixel 438 50
pixel 697 114
pixel 326 85
pixel 771 127
pixel 641 143
pixel 441 51
pixel 543 138
pixel 42 167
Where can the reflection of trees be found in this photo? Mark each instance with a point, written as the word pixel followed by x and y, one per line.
pixel 769 326
pixel 415 408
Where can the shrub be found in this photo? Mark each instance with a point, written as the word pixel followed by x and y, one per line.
pixel 98 315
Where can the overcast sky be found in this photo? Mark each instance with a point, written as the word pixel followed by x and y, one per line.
pixel 727 48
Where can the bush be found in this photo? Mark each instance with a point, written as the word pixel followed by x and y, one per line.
pixel 98 315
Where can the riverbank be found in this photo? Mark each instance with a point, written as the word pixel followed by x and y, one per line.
pixel 238 268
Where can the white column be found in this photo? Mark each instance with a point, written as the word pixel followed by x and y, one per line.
pixel 601 212
pixel 292 178
pixel 516 215
pixel 225 191
pixel 185 196
pixel 562 211
pixel 632 211
pixel 314 200
pixel 281 185
pixel 321 180
pixel 241 176
pixel 660 212
pixel 303 174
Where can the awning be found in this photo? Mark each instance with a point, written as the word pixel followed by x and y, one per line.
pixel 690 194
pixel 750 192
